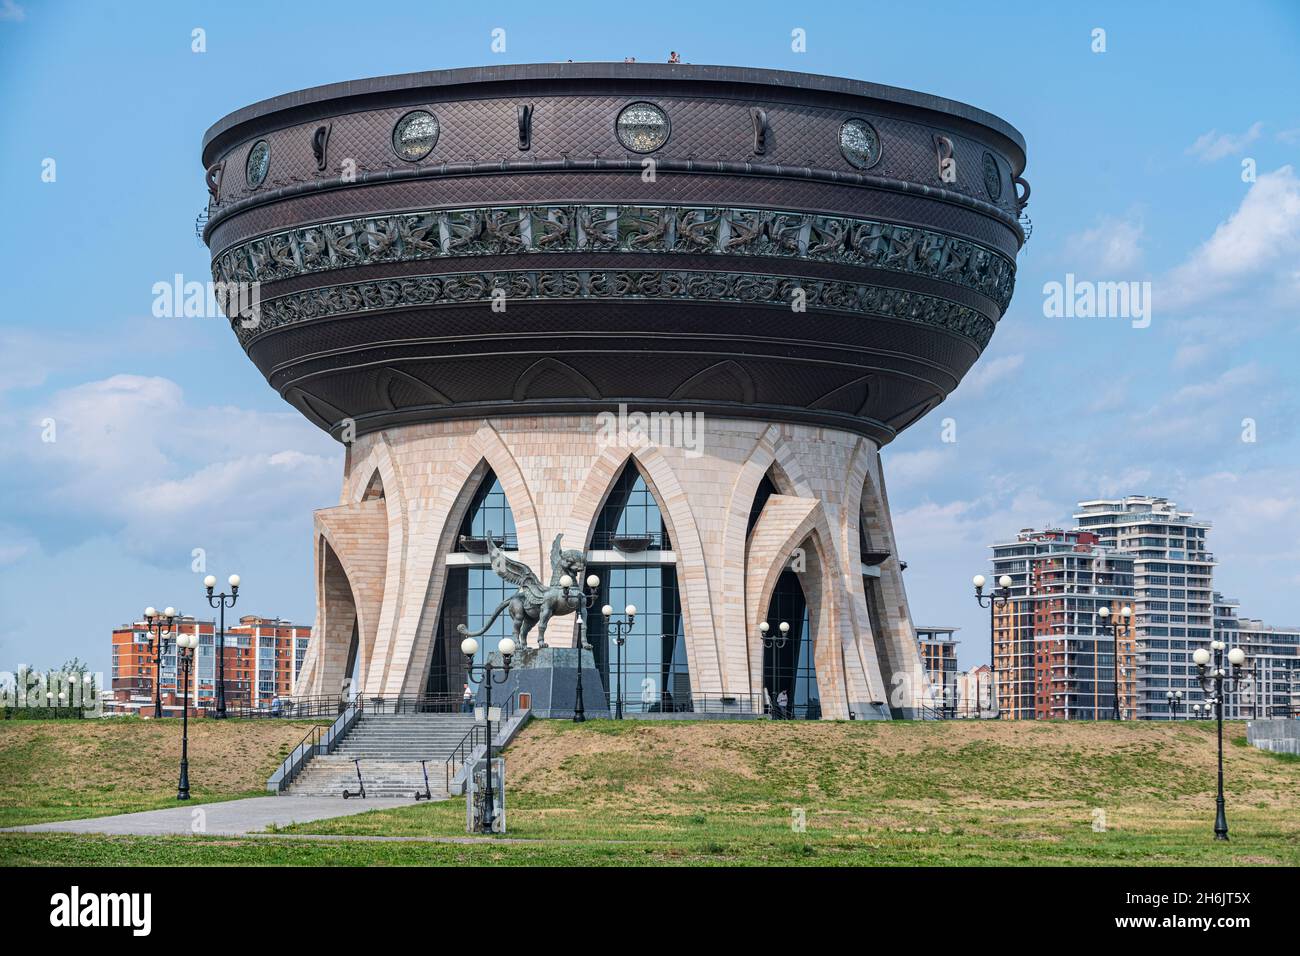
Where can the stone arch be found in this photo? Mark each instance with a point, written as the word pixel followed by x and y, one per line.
pixel 798 523
pixel 338 618
pixel 894 644
pixel 441 521
pixel 703 653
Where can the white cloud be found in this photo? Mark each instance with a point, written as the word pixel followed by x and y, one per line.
pixel 1191 355
pixel 991 371
pixel 1215 145
pixel 1289 136
pixel 912 467
pixel 1256 250
pixel 133 459
pixel 1112 245
pixel 10 10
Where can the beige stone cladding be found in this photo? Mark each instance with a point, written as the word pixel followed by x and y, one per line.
pixel 382 553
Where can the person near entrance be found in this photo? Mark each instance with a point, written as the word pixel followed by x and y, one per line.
pixel 467 700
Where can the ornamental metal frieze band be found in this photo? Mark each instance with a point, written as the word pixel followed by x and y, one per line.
pixel 470 287
pixel 501 230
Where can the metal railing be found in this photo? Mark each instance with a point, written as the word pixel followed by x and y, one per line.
pixel 630 543
pixel 318 740
pixel 414 704
pixel 477 544
pixel 633 703
pixel 476 735
pixel 325 705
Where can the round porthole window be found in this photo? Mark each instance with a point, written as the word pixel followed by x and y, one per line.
pixel 642 127
pixel 259 163
pixel 415 134
pixel 859 143
pixel 992 177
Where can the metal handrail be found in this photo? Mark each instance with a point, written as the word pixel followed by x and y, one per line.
pixel 465 748
pixel 691 704
pixel 317 739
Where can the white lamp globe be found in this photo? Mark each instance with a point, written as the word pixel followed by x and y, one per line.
pixel 506 647
pixel 1004 581
pixel 593 581
pixel 1217 645
pixel 1236 656
pixel 169 612
pixel 765 627
pixel 566 581
pixel 784 627
pixel 607 610
pixel 1178 695
pixel 630 610
pixel 150 611
pixel 210 581
pixel 469 647
pixel 1126 612
pixel 978 580
pixel 1103 612
pixel 233 580
pixel 1201 657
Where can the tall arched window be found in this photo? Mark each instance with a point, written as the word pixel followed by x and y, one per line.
pixel 472 593
pixel 655 676
pixel 789 672
pixel 630 512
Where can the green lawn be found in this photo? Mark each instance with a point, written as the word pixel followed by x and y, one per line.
pixel 66 769
pixel 952 793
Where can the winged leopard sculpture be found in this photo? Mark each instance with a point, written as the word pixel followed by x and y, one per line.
pixel 534 604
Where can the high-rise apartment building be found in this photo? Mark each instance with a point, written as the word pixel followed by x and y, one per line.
pixel 1172 589
pixel 1054 658
pixel 1272 683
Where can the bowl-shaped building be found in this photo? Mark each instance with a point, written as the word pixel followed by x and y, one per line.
pixel 670 312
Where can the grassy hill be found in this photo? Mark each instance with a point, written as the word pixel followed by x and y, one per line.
pixel 963 792
pixel 65 769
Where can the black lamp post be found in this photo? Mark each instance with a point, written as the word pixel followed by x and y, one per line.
pixel 1000 597
pixel 582 602
pixel 1116 627
pixel 185 645
pixel 773 644
pixel 1175 701
pixel 619 640
pixel 219 601
pixel 485 672
pixel 158 625
pixel 1213 676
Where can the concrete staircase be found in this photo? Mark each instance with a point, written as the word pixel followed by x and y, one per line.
pixel 390 748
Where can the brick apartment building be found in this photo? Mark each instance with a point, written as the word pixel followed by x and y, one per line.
pixel 939 656
pixel 262 659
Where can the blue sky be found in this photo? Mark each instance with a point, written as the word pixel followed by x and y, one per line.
pixel 168 440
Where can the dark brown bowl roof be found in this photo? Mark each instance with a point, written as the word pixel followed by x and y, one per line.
pixel 373 92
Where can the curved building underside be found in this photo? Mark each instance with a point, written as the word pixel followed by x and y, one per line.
pixel 462 275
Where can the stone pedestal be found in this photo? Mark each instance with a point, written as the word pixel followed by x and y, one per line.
pixel 550 676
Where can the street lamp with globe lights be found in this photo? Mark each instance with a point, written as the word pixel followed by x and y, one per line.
pixel 158 625
pixel 582 601
pixel 485 673
pixel 185 645
pixel 1175 701
pixel 1216 681
pixel 1000 597
pixel 219 601
pixel 773 644
pixel 1116 627
pixel 620 624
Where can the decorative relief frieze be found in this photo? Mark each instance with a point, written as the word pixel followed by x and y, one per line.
pixel 668 285
pixel 438 234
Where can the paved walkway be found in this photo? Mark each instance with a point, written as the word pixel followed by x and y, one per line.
pixel 223 818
